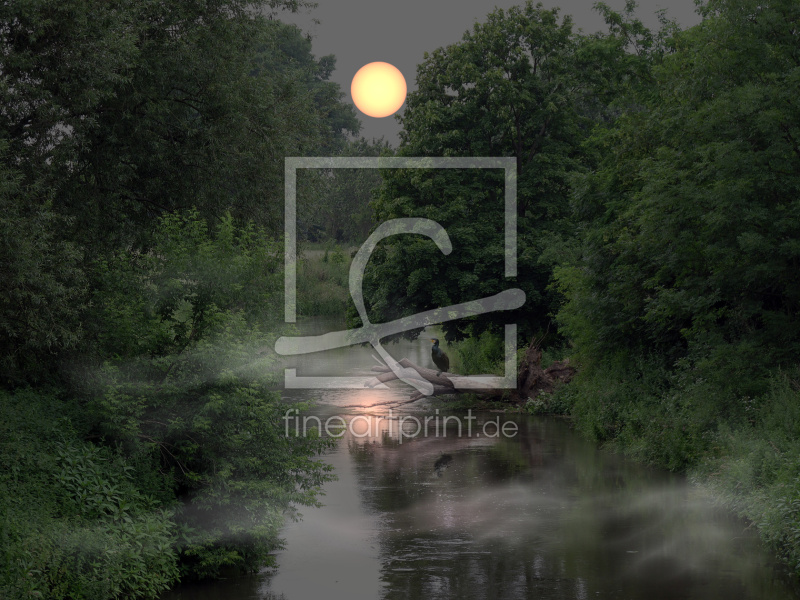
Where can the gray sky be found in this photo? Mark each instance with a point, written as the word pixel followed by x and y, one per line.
pixel 400 32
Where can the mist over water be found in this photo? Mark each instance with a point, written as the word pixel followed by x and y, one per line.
pixel 543 514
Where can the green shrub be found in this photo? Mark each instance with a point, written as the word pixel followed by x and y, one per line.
pixel 72 522
pixel 480 355
pixel 642 407
pixel 185 388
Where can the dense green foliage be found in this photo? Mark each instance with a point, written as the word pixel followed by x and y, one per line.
pixel 682 298
pixel 659 218
pixel 335 207
pixel 73 524
pixel 186 387
pixel 692 212
pixel 194 472
pixel 141 167
pixel 689 256
pixel 131 108
pixel 483 354
pixel 42 285
pixel 522 84
pixel 754 466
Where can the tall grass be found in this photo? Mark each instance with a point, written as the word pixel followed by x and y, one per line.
pixel 745 449
pixel 755 466
pixel 322 282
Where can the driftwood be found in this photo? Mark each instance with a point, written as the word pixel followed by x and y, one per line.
pixel 531 378
pixel 443 383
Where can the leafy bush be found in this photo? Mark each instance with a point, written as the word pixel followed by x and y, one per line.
pixel 643 407
pixel 73 524
pixel 186 386
pixel 484 354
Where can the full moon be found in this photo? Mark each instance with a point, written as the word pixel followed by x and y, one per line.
pixel 378 89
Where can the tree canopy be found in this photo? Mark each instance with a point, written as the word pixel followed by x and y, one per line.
pixel 116 113
pixel 521 84
pixel 141 191
pixel 691 215
pixel 130 109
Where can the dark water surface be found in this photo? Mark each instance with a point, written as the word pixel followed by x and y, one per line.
pixel 543 514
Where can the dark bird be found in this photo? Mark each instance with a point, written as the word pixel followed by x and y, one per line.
pixel 440 359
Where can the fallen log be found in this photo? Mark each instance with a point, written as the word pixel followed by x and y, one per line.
pixel 531 378
pixel 443 383
pixel 441 380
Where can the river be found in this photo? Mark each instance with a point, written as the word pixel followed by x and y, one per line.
pixel 516 506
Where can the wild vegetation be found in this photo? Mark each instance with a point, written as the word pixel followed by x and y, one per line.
pixel 658 178
pixel 141 193
pixel 323 288
pixel 141 151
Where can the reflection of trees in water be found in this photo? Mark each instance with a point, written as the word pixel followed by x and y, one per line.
pixel 457 569
pixel 469 533
pixel 544 515
pixel 396 476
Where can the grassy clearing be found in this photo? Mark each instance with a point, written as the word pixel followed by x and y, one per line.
pixel 322 282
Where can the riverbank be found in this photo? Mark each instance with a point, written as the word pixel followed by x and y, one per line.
pixel 540 514
pixel 748 458
pixel 749 465
pixel 748 462
pixel 157 451
pixel 81 520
